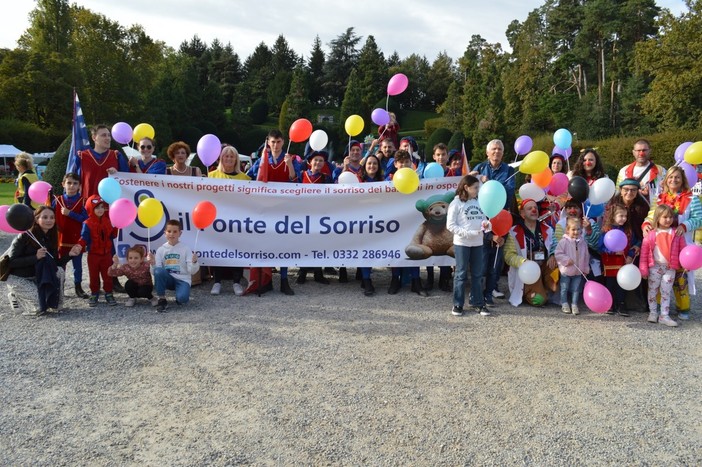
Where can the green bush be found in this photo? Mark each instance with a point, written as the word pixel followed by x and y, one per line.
pixel 456 141
pixel 259 111
pixel 29 137
pixel 433 124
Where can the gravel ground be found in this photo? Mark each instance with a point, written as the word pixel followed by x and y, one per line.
pixel 332 377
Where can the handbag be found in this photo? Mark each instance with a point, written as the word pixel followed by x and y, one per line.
pixel 4 267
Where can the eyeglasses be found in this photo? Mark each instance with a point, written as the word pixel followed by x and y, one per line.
pixel 641 150
pixel 630 190
pixel 145 146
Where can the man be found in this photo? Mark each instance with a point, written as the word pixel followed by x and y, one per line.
pixel 352 161
pixel 494 169
pixel 649 175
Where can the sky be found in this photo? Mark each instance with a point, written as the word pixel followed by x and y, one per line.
pixel 405 26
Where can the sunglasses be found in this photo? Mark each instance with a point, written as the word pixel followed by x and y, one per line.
pixel 145 146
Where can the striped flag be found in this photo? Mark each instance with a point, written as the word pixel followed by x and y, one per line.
pixel 263 165
pixel 79 136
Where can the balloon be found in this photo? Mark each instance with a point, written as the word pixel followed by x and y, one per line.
pixel 3 220
pixel 690 173
pixel 406 180
pixel 593 210
pixel 208 149
pixel 300 130
pixel 501 223
pixel 615 240
pixel 578 189
pixel 397 84
pixel 559 184
pixel 109 190
pixel 523 145
pixel 20 217
pixel 150 212
pixel 543 178
pixel 629 277
pixel 39 191
pixel 531 191
pixel 204 214
pixel 141 131
pixel 492 198
pixel 529 272
pixel 534 162
pixel 562 138
pixel 601 191
pixel 693 153
pixel 691 257
pixel 346 178
pixel 597 297
pixel 122 213
pixel 433 170
pixel 680 151
pixel 122 132
pixel 354 125
pixel 318 140
pixel 380 117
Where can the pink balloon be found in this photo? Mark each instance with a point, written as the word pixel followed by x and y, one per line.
pixel 122 132
pixel 597 297
pixel 122 213
pixel 39 191
pixel 615 240
pixel 208 149
pixel 380 117
pixel 559 184
pixel 3 222
pixel 690 257
pixel 397 84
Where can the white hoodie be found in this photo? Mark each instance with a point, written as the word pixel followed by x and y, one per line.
pixel 465 221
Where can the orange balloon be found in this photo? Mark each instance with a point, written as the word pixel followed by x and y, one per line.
pixel 501 223
pixel 543 178
pixel 204 214
pixel 300 130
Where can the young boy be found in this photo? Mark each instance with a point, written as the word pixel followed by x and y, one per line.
pixel 138 272
pixel 352 161
pixel 173 267
pixel 70 215
pixel 440 156
pixel 96 237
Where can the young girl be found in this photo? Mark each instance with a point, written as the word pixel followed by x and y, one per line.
pixel 616 218
pixel 573 258
pixel 660 257
pixel 138 272
pixel 467 223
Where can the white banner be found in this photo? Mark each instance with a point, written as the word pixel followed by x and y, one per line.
pixel 290 224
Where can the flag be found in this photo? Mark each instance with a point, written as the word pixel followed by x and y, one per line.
pixel 263 165
pixel 465 168
pixel 79 136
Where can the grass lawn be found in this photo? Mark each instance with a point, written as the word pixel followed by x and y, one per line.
pixel 7 193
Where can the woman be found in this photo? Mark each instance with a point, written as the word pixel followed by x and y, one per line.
pixel 589 166
pixel 676 193
pixel 179 152
pixel 558 164
pixel 229 167
pixel 25 166
pixel 148 164
pixel 371 170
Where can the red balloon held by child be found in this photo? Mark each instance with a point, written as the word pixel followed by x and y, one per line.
pixel 501 223
pixel 204 214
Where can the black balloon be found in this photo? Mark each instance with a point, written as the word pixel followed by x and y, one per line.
pixel 578 189
pixel 20 217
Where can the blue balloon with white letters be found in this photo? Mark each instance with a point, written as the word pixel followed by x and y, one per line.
pixel 433 170
pixel 109 190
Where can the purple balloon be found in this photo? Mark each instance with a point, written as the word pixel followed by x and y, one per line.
pixel 680 152
pixel 523 145
pixel 561 151
pixel 615 240
pixel 122 132
pixel 690 173
pixel 380 117
pixel 208 149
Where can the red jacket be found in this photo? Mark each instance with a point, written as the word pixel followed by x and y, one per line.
pixel 98 232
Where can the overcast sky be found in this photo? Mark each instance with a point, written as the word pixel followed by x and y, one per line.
pixel 405 26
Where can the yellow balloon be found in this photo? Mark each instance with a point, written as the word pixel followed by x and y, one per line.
pixel 150 212
pixel 143 130
pixel 406 180
pixel 534 162
pixel 693 154
pixel 354 125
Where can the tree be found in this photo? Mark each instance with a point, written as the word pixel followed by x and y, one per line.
pixel 315 66
pixel 353 99
pixel 297 101
pixel 50 29
pixel 452 108
pixel 373 74
pixel 283 57
pixel 343 58
pixel 441 75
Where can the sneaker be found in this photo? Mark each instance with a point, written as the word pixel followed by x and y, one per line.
pixel 484 311
pixel 497 294
pixel 610 311
pixel 14 303
pixel 457 310
pixel 154 301
pixel 110 299
pixel 574 309
pixel 653 317
pixel 489 303
pixel 565 308
pixel 130 302
pixel 93 300
pixel 162 305
pixel 216 289
pixel 623 313
pixel 238 289
pixel 668 321
pixel 685 316
pixel 34 313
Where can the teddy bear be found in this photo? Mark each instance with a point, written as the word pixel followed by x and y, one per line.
pixel 432 238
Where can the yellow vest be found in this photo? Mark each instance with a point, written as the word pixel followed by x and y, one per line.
pixel 19 193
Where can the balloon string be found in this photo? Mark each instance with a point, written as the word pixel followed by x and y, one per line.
pixel 31 235
pixel 387 101
pixel 197 234
pixel 148 238
pixel 588 210
pixel 513 175
pixel 497 254
pixel 287 151
pixel 584 276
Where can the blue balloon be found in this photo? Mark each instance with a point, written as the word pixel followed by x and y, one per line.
pixel 433 170
pixel 562 138
pixel 109 190
pixel 492 198
pixel 594 210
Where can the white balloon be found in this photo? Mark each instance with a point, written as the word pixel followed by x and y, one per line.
pixel 601 191
pixel 318 140
pixel 529 272
pixel 532 191
pixel 346 178
pixel 629 277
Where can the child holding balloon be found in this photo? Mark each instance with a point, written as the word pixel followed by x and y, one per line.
pixel 660 258
pixel 573 261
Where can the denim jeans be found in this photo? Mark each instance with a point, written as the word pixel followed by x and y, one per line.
pixel 473 257
pixel 163 280
pixel 492 269
pixel 572 284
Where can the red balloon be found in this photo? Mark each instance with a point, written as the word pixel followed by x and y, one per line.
pixel 501 223
pixel 300 130
pixel 204 214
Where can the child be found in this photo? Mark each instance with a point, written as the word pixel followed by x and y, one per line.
pixel 173 267
pixel 573 259
pixel 660 257
pixel 138 272
pixel 70 215
pixel 25 166
pixel 96 237
pixel 467 223
pixel 441 157
pixel 617 218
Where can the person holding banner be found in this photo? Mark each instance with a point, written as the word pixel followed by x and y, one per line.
pixel 372 171
pixel 148 164
pixel 179 152
pixel 352 161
